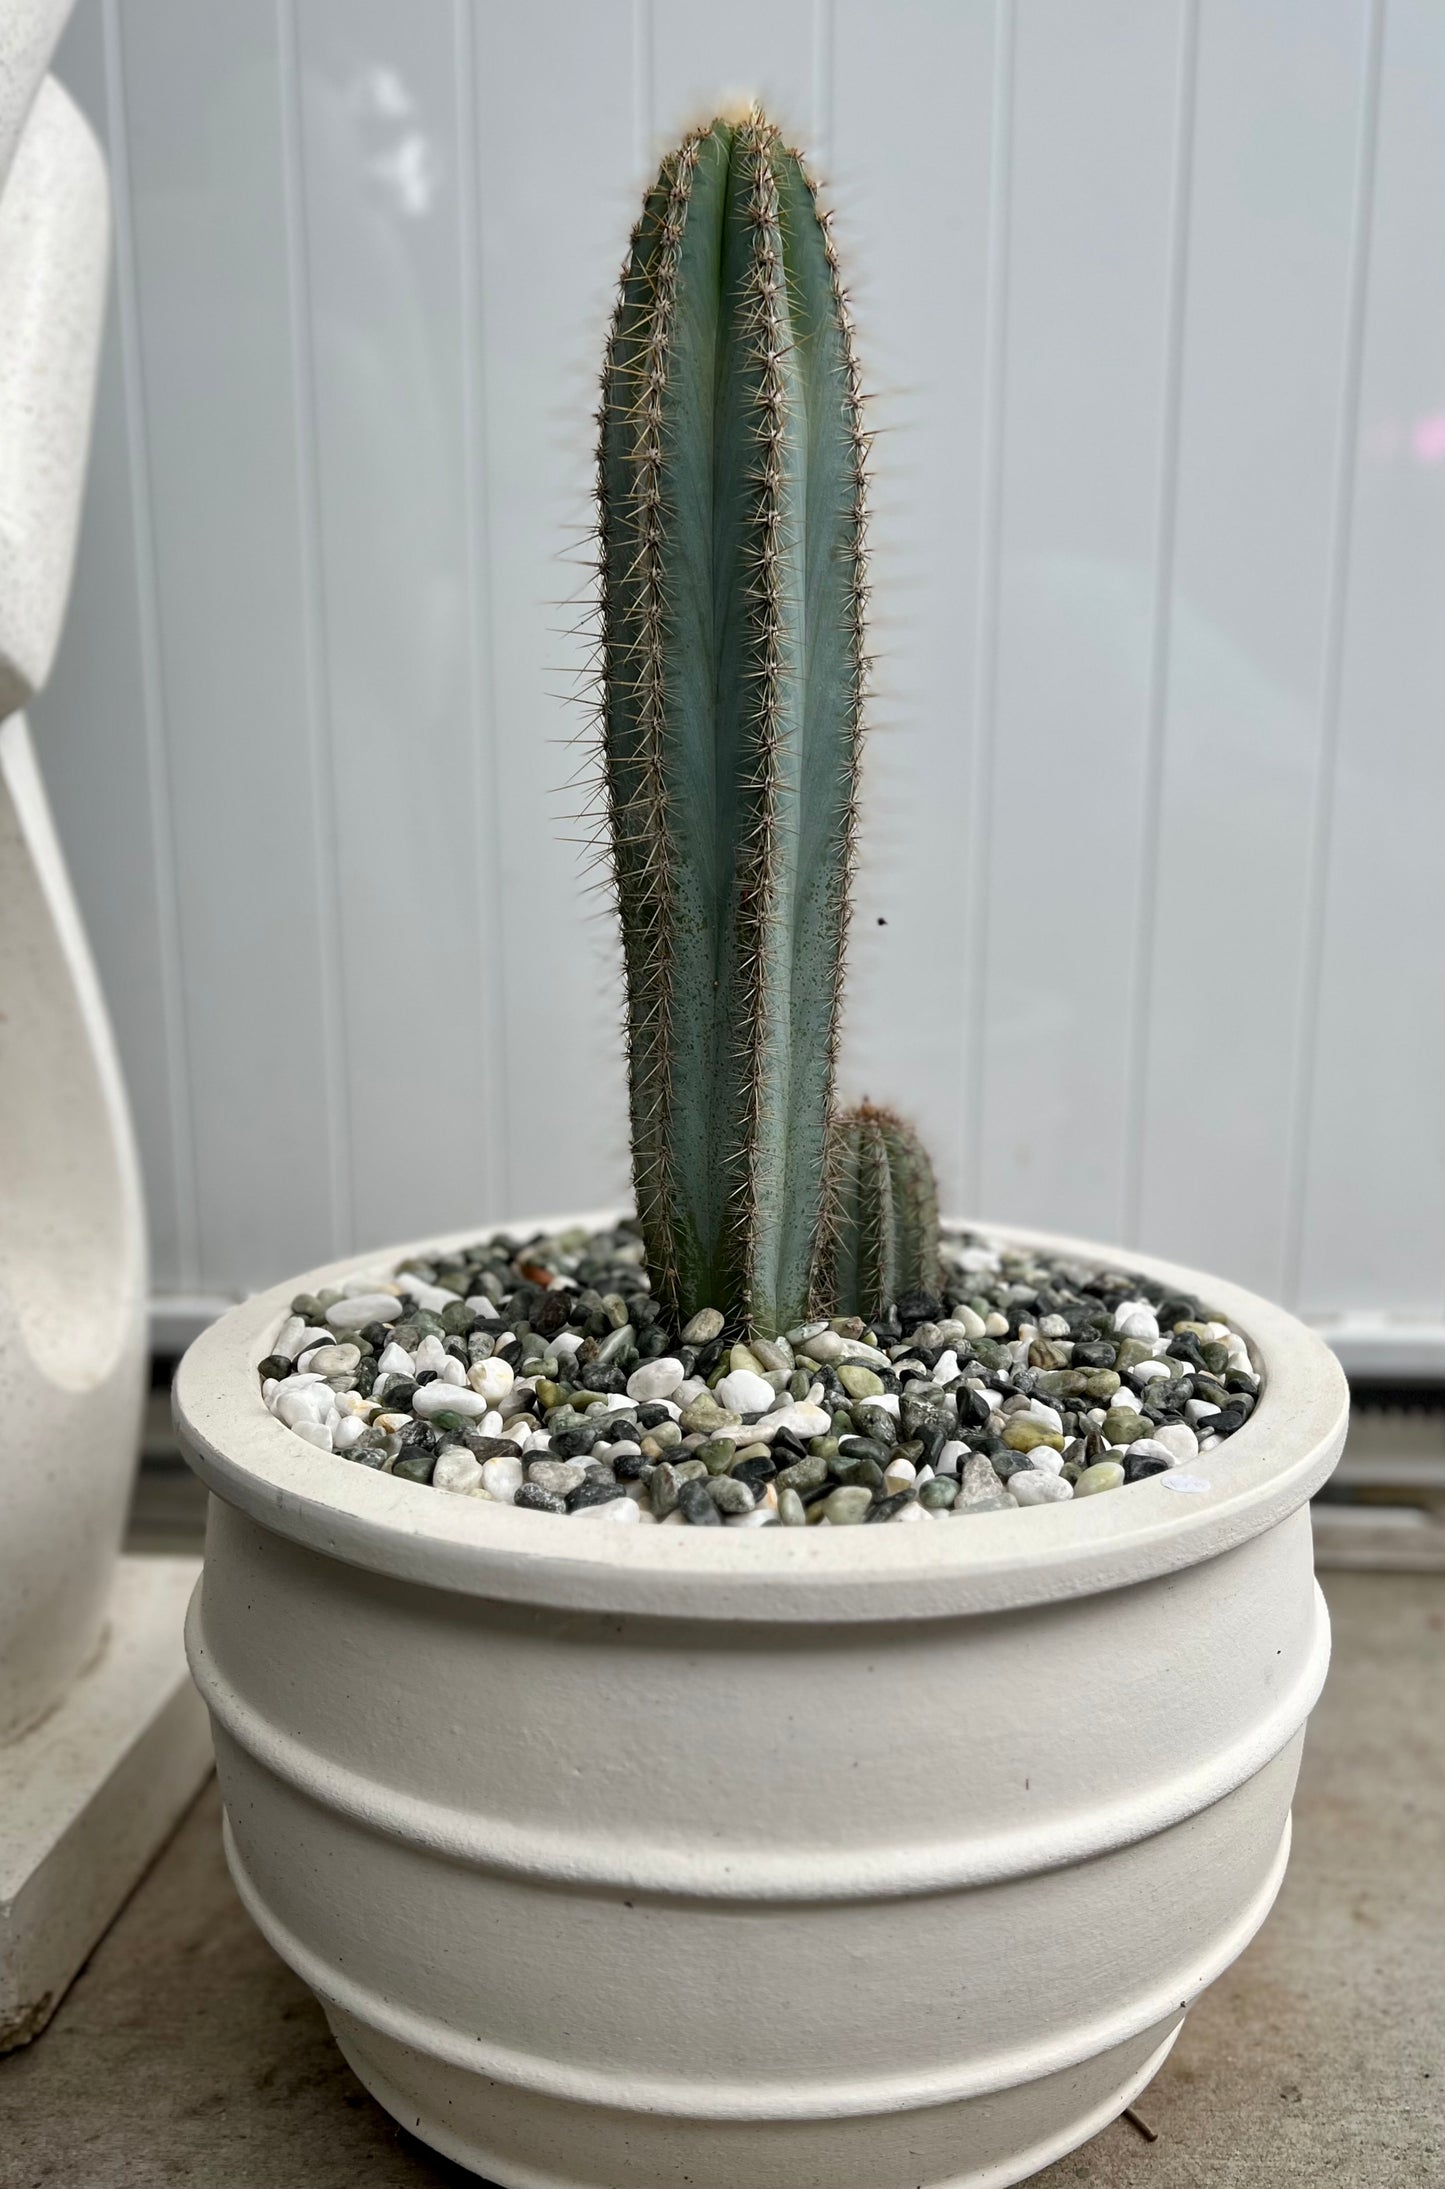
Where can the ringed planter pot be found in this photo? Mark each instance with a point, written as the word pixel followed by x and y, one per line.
pixel 621 1858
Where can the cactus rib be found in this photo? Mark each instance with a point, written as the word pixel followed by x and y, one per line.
pixel 731 495
pixel 886 1238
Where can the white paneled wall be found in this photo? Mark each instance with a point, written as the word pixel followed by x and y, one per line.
pixel 1152 905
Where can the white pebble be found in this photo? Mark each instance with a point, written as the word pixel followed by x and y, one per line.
pixel 288 1337
pixel 491 1423
pixel 972 1321
pixel 1178 1439
pixel 1152 1448
pixel 1149 1372
pixel 950 1456
pixel 620 1509
pixel 899 1474
pixel 566 1342
pixel 431 1297
pixel 294 1406
pixel 456 1469
pixel 1045 1461
pixel 478 1304
pixel 315 1432
pixel 502 1477
pixel 996 1325
pixel 432 1354
pixel 450 1398
pixel 742 1392
pixel 491 1379
pixel 804 1420
pixel 692 1388
pixel 825 1346
pixel 451 1370
pixel 331 1360
pixel 1040 1410
pixel 760 1517
pixel 654 1380
pixel 909 1512
pixel 394 1361
pixel 269 1389
pixel 1136 1319
pixel 1030 1486
pixel 362 1308
pixel 1199 1409
pixel 946 1367
pixel 348 1431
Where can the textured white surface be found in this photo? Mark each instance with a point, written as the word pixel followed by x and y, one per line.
pixel 1150 295
pixel 28 31
pixel 72 1266
pixel 882 1910
pixel 87 1797
pixel 54 234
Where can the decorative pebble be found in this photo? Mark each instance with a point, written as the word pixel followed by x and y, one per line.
pixel 362 1308
pixel 457 1470
pixel 743 1392
pixel 656 1380
pixel 501 1478
pixel 1029 1487
pixel 541 1374
pixel 1105 1474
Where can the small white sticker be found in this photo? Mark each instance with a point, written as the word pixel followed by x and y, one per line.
pixel 1194 1484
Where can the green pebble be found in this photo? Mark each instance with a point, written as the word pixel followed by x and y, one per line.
pixel 792 1512
pixel 938 1495
pixel 704 1326
pixel 742 1356
pixel 1130 1352
pixel 690 1470
pixel 717 1454
pixel 1105 1474
pixel 859 1382
pixel 804 1474
pixel 705 1415
pixel 1024 1432
pixel 1124 1425
pixel 847 1506
pixel 1100 1383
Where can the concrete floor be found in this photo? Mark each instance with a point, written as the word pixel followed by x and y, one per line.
pixel 188 2055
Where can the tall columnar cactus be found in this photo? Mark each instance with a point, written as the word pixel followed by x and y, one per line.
pixel 731 492
pixel 886 1204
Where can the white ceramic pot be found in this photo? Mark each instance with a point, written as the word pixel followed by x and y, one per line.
pixel 752 1859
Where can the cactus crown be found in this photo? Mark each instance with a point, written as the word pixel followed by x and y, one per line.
pixel 885 1235
pixel 731 492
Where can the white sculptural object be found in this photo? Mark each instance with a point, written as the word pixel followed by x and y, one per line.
pixel 98 1744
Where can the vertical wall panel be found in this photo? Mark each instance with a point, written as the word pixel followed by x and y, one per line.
pixel 385 284
pixel 1148 905
pixel 704 55
pixel 1086 356
pixel 915 236
pixel 203 104
pixel 1268 316
pixel 1373 1165
pixel 97 740
pixel 555 148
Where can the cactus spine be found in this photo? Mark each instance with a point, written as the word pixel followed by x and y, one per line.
pixel 730 482
pixel 886 1220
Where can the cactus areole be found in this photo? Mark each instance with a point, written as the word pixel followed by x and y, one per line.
pixel 732 512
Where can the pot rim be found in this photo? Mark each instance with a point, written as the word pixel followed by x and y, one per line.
pixel 988 1562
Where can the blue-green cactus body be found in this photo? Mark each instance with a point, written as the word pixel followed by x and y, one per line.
pixel 731 493
pixel 885 1214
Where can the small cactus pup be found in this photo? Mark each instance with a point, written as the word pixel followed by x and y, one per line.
pixel 885 1224
pixel 731 492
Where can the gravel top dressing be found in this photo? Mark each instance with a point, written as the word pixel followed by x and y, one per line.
pixel 541 1373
